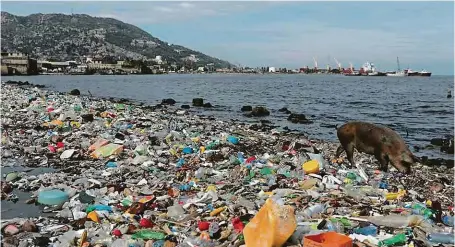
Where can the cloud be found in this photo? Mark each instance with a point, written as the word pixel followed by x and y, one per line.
pixel 146 13
pixel 186 5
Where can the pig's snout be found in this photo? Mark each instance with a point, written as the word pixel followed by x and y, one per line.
pixel 404 167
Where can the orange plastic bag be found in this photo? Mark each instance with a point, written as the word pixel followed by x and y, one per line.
pixel 271 226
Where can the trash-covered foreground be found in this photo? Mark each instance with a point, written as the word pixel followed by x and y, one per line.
pixel 132 175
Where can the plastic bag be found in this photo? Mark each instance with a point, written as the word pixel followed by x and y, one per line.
pixel 99 143
pixel 271 226
pixel 107 150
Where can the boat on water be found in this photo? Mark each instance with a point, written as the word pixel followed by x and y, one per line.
pixel 409 72
pixel 424 73
pixel 376 73
pixel 370 70
pixel 351 71
pixel 398 73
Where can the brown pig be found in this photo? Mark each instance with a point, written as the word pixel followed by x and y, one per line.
pixel 382 142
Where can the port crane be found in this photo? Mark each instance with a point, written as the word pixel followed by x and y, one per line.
pixel 315 64
pixel 338 64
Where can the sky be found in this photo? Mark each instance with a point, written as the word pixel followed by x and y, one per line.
pixel 289 34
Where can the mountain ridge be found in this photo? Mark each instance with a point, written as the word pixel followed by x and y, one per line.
pixel 62 37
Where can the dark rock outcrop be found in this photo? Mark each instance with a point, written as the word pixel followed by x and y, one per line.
pixel 299 118
pixel 185 107
pixel 285 110
pixel 446 144
pixel 437 162
pixel 168 101
pixel 75 92
pixel 198 102
pixel 246 108
pixel 259 111
pixel 207 105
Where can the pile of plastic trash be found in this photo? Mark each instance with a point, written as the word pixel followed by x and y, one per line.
pixel 133 175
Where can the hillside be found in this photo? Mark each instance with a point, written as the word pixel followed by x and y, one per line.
pixel 70 37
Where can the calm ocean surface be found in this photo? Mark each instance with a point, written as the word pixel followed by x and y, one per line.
pixel 415 103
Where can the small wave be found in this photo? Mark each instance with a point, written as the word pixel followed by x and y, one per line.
pixel 446 112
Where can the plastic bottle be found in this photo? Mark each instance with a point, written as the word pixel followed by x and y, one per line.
pixel 300 231
pixel 355 193
pixel 383 185
pixel 148 234
pixel 336 226
pixel 232 139
pixel 447 220
pixel 240 158
pixel 271 180
pixel 420 209
pixel 214 228
pixel 351 176
pixel 368 230
pixel 441 238
pixel 315 209
pixel 394 221
pixel 399 239
pixel 98 207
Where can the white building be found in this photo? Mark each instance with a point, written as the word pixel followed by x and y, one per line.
pixel 158 59
pixel 272 69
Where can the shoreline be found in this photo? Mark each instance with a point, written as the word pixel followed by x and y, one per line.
pixel 148 125
pixel 221 73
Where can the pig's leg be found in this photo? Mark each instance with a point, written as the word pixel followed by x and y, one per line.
pixel 349 148
pixel 383 161
pixel 340 150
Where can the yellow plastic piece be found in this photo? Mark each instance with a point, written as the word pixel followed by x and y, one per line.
pixel 75 124
pixel 271 226
pixel 107 150
pixel 146 199
pixel 93 216
pixel 54 122
pixel 217 211
pixel 311 166
pixel 202 149
pixel 394 196
pixel 428 203
pixel 308 184
pixel 211 188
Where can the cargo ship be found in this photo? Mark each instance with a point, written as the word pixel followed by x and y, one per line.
pixel 369 69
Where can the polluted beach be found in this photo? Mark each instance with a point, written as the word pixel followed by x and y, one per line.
pixel 219 124
pixel 119 173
